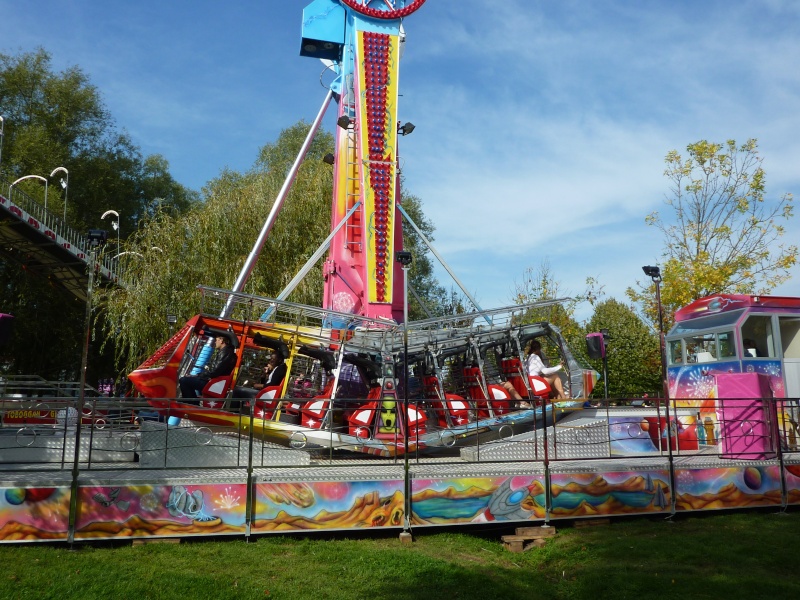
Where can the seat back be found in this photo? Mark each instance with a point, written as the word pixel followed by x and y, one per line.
pixel 500 399
pixel 361 420
pixel 314 411
pixel 215 391
pixel 430 387
pixel 472 379
pixel 267 401
pixel 217 387
pixel 539 386
pixel 458 409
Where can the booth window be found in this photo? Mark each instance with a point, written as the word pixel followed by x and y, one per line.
pixel 701 348
pixel 675 352
pixel 726 345
pixel 758 340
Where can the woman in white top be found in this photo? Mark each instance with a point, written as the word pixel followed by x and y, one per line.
pixel 535 366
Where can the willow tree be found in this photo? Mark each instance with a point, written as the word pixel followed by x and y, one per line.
pixel 721 235
pixel 172 253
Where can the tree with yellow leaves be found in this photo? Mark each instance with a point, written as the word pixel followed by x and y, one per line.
pixel 722 235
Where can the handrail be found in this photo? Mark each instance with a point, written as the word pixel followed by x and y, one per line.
pixel 72 241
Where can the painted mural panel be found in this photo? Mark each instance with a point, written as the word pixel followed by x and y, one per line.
pixel 643 435
pixel 609 493
pixel 792 476
pixel 697 380
pixel 34 514
pixel 160 510
pixel 728 487
pixel 318 505
pixel 477 499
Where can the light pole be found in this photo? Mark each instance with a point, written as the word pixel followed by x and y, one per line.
pixel 654 273
pixel 405 259
pixel 114 224
pixel 96 238
pixel 31 177
pixel 64 185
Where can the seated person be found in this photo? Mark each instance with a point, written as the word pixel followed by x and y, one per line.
pixel 750 349
pixel 223 363
pixel 274 372
pixel 536 366
pixel 512 391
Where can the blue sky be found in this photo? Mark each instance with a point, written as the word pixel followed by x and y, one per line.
pixel 542 126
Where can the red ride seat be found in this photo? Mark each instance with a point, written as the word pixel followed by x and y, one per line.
pixel 499 399
pixel 540 387
pixel 497 402
pixel 458 408
pixel 216 389
pixel 266 401
pixel 361 419
pixel 513 372
pixel 314 411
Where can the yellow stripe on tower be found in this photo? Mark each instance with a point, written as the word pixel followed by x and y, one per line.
pixel 377 65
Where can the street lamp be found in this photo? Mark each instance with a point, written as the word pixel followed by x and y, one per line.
pixel 114 224
pixel 64 181
pixel 31 177
pixel 654 273
pixel 2 129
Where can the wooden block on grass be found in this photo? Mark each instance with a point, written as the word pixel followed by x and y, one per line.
pixel 520 543
pixel 536 532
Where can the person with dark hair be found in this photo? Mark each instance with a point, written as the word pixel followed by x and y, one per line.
pixel 750 349
pixel 223 363
pixel 274 372
pixel 535 364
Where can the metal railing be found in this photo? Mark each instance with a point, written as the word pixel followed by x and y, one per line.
pixel 53 228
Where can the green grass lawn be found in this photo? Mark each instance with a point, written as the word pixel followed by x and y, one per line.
pixel 727 555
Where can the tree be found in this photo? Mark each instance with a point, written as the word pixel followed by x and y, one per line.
pixel 173 252
pixel 632 352
pixel 723 236
pixel 59 120
pixel 539 285
pixel 421 280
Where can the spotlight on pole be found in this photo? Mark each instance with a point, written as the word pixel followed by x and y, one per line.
pixel 406 128
pixel 328 159
pixel 344 121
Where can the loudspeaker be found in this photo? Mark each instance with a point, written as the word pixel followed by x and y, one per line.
pixel 595 345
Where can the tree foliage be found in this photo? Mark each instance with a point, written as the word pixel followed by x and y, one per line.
pixel 539 284
pixel 427 298
pixel 59 120
pixel 174 252
pixel 171 242
pixel 632 352
pixel 721 235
